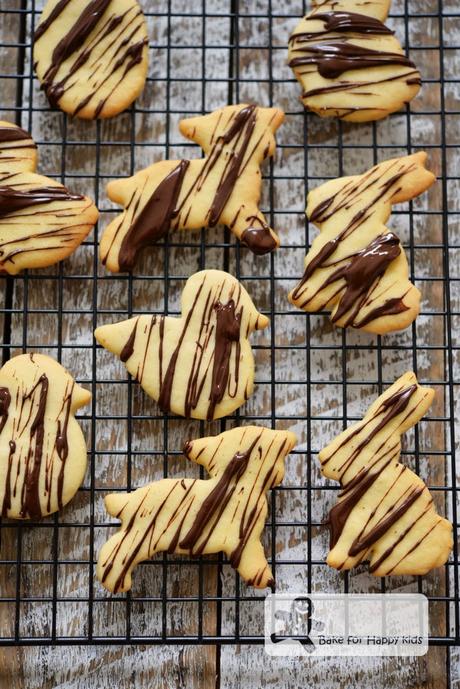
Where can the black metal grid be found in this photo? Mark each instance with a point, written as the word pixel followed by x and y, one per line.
pixel 50 309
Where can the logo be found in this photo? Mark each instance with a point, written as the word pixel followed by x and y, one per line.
pixel 346 624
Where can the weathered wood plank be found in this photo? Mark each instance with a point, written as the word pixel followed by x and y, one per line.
pixel 69 287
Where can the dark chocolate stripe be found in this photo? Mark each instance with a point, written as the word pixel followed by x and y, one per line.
pixel 31 505
pixel 154 221
pixel 333 59
pixel 75 38
pixel 54 14
pixel 342 22
pixel 10 134
pixel 394 514
pixel 228 325
pixel 12 200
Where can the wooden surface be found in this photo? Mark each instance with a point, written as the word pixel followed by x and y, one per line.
pixel 69 288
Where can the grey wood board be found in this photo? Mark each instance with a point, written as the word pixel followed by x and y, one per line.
pixel 237 666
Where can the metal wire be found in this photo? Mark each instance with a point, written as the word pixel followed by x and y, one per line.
pixel 220 608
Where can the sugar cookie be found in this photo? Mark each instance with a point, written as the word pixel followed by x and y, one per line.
pixel 224 187
pixel 41 221
pixel 356 267
pixel 42 448
pixel 201 364
pixel 385 513
pixel 349 64
pixel 197 517
pixel 91 56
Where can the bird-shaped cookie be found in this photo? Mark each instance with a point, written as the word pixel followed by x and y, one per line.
pixel 201 364
pixel 91 56
pixel 356 267
pixel 385 513
pixel 42 448
pixel 225 512
pixel 349 64
pixel 224 187
pixel 41 221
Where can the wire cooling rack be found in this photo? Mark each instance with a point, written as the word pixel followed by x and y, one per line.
pixel 311 377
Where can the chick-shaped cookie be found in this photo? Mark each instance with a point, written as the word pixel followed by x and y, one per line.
pixel 356 267
pixel 201 364
pixel 91 56
pixel 224 513
pixel 385 513
pixel 349 64
pixel 42 448
pixel 41 221
pixel 224 187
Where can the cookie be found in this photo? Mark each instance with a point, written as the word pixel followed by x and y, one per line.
pixel 42 448
pixel 349 64
pixel 91 56
pixel 41 221
pixel 224 187
pixel 356 267
pixel 18 151
pixel 199 365
pixel 385 513
pixel 224 513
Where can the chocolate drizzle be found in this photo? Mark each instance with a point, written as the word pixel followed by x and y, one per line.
pixel 244 121
pixel 54 14
pixel 394 514
pixel 259 239
pixel 217 500
pixel 12 134
pixel 128 349
pixel 154 220
pixel 342 22
pixel 228 325
pixel 332 60
pixel 343 45
pixel 13 200
pixel 31 506
pixel 5 401
pixel 71 42
pixel 360 272
pixel 336 56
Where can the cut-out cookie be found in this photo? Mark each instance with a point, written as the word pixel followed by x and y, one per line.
pixel 224 187
pixel 41 221
pixel 356 267
pixel 385 513
pixel 91 56
pixel 201 364
pixel 225 513
pixel 42 448
pixel 349 64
